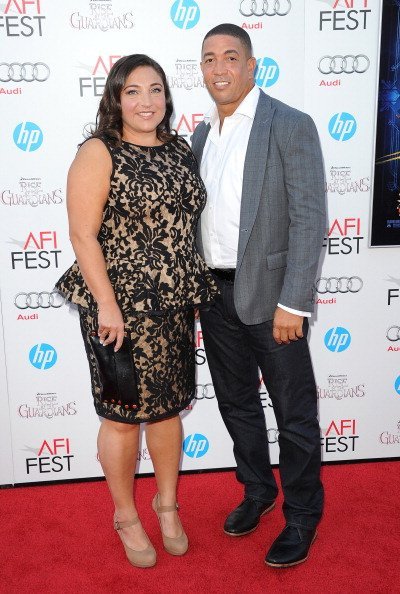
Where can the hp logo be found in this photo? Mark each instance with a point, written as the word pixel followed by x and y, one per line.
pixel 43 356
pixel 342 126
pixel 337 339
pixel 196 445
pixel 28 136
pixel 185 14
pixel 267 72
pixel 397 385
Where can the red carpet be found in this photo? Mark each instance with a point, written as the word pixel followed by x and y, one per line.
pixel 59 539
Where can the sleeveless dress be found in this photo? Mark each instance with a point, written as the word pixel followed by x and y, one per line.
pixel 147 237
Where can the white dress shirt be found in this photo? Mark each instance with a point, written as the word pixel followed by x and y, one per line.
pixel 221 168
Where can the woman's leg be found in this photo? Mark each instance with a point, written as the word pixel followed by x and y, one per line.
pixel 118 448
pixel 164 441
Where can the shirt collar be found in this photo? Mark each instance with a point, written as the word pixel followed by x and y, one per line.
pixel 247 107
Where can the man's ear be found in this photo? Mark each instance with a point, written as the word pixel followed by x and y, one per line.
pixel 251 65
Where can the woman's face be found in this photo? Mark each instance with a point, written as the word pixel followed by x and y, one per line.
pixel 142 105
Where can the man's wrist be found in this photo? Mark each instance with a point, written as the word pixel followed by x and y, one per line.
pixel 304 314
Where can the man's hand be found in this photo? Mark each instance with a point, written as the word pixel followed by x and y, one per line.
pixel 287 326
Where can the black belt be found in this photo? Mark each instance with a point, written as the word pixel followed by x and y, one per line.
pixel 224 274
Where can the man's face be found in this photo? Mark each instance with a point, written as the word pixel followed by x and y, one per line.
pixel 228 71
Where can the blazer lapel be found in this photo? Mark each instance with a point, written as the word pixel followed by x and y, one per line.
pixel 198 144
pixel 254 171
pixel 199 140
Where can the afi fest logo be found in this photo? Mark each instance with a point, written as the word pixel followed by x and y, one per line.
pixel 267 72
pixel 185 14
pixel 54 455
pixel 200 352
pixel 337 339
pixel 342 126
pixel 28 136
pixel 95 83
pixel 343 237
pixel 347 15
pixel 393 294
pixel 39 256
pixel 22 18
pixel 43 356
pixel 340 436
pixel 185 124
pixel 196 445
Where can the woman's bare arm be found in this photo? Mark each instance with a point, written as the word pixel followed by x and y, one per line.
pixel 88 187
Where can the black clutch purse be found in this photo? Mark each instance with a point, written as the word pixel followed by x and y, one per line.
pixel 117 372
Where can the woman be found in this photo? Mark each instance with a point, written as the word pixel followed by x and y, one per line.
pixel 134 198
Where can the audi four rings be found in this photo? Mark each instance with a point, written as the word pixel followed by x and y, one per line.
pixel 27 72
pixel 45 299
pixel 393 333
pixel 344 64
pixel 265 7
pixel 341 284
pixel 202 392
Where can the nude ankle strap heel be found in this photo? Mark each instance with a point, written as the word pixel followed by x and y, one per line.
pixel 145 558
pixel 175 546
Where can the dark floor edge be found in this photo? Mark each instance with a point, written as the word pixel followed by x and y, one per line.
pixel 185 472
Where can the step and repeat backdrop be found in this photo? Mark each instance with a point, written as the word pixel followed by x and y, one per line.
pixel 321 56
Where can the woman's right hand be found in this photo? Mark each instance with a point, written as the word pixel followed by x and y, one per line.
pixel 111 325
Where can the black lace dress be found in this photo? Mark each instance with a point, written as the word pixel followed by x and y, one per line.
pixel 148 241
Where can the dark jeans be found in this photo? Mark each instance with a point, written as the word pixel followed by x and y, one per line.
pixel 234 353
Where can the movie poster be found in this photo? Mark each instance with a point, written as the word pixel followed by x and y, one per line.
pixel 385 226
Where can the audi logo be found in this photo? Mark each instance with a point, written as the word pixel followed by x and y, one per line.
pixel 393 333
pixel 344 64
pixel 341 284
pixel 36 300
pixel 204 391
pixel 265 7
pixel 28 72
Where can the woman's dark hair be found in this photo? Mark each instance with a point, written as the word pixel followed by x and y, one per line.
pixel 109 115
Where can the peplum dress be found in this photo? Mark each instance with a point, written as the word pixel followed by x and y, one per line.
pixel 148 236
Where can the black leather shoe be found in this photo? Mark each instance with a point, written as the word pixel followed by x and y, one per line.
pixel 246 517
pixel 291 547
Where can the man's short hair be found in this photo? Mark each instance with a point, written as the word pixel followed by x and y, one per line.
pixel 233 31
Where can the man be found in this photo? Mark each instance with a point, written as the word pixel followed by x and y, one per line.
pixel 261 234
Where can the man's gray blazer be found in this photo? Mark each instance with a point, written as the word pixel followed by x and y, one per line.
pixel 282 218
